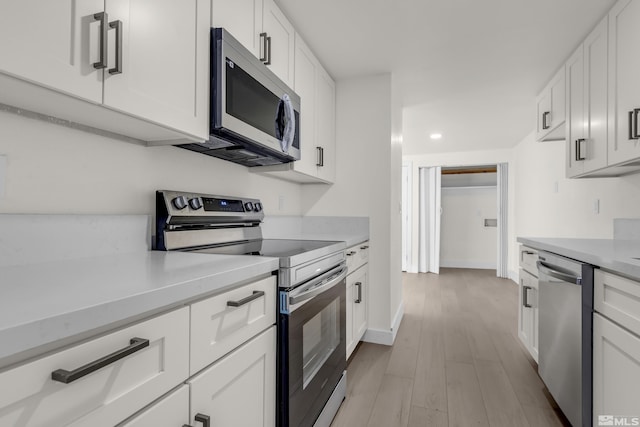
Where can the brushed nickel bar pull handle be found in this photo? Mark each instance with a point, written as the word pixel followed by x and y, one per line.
pixel 268 51
pixel 243 301
pixel 103 18
pixel 579 154
pixel 525 296
pixel 545 125
pixel 263 46
pixel 318 156
pixel 351 253
pixel 204 419
pixel 359 297
pixel 364 247
pixel 66 377
pixel 635 123
pixel 118 26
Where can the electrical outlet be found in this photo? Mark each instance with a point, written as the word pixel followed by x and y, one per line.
pixel 280 203
pixel 596 206
pixel 555 186
pixel 3 174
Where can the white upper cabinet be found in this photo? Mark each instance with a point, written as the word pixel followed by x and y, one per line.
pixel 146 61
pixel 550 106
pixel 163 55
pixel 317 122
pixel 586 85
pixel 243 19
pixel 263 29
pixel 53 44
pixel 624 88
pixel 280 42
pixel 305 84
pixel 326 125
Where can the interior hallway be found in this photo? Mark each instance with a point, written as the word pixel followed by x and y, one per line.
pixel 456 361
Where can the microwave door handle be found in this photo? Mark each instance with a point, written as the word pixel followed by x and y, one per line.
pixel 295 299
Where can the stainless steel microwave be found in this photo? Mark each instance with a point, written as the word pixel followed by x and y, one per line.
pixel 255 116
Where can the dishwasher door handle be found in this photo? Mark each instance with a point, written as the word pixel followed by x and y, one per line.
pixel 550 271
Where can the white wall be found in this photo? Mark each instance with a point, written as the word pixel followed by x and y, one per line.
pixel 54 169
pixel 569 212
pixel 466 158
pixel 464 240
pixel 364 186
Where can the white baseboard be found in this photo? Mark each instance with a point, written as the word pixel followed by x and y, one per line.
pixel 467 264
pixel 382 336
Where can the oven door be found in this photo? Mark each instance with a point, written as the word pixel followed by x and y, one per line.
pixel 311 356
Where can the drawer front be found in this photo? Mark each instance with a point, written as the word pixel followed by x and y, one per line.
pixel 108 395
pixel 170 411
pixel 528 259
pixel 217 326
pixel 357 256
pixel 617 298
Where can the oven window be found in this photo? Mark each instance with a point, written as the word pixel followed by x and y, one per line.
pixel 320 337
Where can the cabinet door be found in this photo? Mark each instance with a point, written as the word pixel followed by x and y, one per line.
pixel 242 18
pixel 240 389
pixel 282 34
pixel 360 302
pixel 595 97
pixel 616 369
pixel 53 44
pixel 165 48
pixel 624 90
pixel 350 344
pixel 575 126
pixel 170 411
pixel 525 316
pixel 543 110
pixel 326 124
pixel 305 86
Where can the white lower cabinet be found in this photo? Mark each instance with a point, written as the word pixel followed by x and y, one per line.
pixel 357 295
pixel 170 411
pixel 616 369
pixel 108 395
pixel 528 313
pixel 239 389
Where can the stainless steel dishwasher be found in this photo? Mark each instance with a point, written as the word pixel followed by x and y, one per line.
pixel 565 333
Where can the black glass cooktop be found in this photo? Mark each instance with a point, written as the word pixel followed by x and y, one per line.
pixel 277 248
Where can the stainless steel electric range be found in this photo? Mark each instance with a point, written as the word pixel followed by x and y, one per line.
pixel 312 295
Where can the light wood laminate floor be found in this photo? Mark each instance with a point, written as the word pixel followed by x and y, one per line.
pixel 456 361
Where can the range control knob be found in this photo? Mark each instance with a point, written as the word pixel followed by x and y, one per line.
pixel 195 203
pixel 180 202
pixel 257 207
pixel 248 206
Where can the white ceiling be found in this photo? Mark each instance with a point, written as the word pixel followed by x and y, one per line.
pixel 469 69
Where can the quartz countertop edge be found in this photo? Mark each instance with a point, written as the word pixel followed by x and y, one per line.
pixel 48 302
pixel 348 239
pixel 615 255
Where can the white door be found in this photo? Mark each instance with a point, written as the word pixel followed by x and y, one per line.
pixel 53 44
pixel 243 19
pixel 282 34
pixel 165 48
pixel 406 241
pixel 239 389
pixel 624 90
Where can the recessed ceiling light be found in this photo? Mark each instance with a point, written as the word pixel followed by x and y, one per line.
pixel 435 136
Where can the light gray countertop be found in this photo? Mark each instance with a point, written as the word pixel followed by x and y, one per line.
pixel 617 256
pixel 349 239
pixel 49 302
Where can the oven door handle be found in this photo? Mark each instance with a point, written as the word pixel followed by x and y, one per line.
pixel 323 284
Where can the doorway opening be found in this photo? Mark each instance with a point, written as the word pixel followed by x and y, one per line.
pixel 462 217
